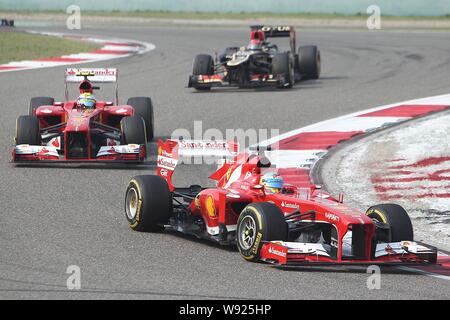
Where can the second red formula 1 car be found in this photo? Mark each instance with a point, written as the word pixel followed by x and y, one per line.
pixel 269 221
pixel 258 64
pixel 85 129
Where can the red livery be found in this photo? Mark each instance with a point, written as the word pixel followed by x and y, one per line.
pixel 84 129
pixel 295 226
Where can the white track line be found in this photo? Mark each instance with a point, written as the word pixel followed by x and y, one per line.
pixel 113 49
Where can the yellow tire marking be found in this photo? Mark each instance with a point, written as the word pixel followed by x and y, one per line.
pixel 259 236
pixel 258 215
pixel 379 214
pixel 139 203
pixel 248 257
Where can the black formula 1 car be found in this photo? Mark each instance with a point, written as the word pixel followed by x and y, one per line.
pixel 261 63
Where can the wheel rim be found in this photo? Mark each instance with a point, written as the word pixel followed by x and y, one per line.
pixel 247 232
pixel 131 203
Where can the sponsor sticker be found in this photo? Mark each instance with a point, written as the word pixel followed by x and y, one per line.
pixel 277 252
pixel 276 28
pixel 257 242
pixel 167 163
pixel 285 204
pixel 331 216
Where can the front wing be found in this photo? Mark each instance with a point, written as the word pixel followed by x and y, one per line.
pixel 301 254
pixel 216 80
pixel 31 153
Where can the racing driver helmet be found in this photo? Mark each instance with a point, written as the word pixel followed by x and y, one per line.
pixel 272 182
pixel 255 45
pixel 86 101
pixel 256 40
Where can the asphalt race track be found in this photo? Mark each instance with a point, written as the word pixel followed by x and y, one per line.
pixel 55 217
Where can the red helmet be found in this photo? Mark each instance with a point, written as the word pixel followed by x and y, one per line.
pixel 257 35
pixel 256 40
pixel 86 87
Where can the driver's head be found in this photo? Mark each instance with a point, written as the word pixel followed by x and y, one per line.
pixel 86 87
pixel 256 40
pixel 255 45
pixel 272 182
pixel 86 101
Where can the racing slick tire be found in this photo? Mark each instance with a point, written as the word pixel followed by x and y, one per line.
pixel 148 203
pixel 36 102
pixel 396 218
pixel 203 64
pixel 259 222
pixel 309 62
pixel 133 130
pixel 28 130
pixel 283 65
pixel 143 107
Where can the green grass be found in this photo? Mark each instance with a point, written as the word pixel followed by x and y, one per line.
pixel 249 15
pixel 17 46
pixel 232 15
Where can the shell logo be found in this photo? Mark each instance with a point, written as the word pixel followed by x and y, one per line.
pixel 228 174
pixel 159 151
pixel 210 206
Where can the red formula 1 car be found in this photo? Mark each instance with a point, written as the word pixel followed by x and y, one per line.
pixel 67 131
pixel 297 226
pixel 258 64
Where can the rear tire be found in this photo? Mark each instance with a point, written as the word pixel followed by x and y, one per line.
pixel 309 62
pixel 36 102
pixel 28 131
pixel 283 65
pixel 258 222
pixel 397 219
pixel 133 130
pixel 148 203
pixel 203 65
pixel 143 107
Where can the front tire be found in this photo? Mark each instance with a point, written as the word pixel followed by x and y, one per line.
pixel 309 62
pixel 148 203
pixel 283 65
pixel 143 107
pixel 259 222
pixel 133 130
pixel 203 65
pixel 28 131
pixel 396 218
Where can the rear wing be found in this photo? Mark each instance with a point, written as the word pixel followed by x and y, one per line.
pixel 94 75
pixel 278 32
pixel 171 152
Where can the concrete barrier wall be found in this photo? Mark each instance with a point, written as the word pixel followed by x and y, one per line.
pixel 388 7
